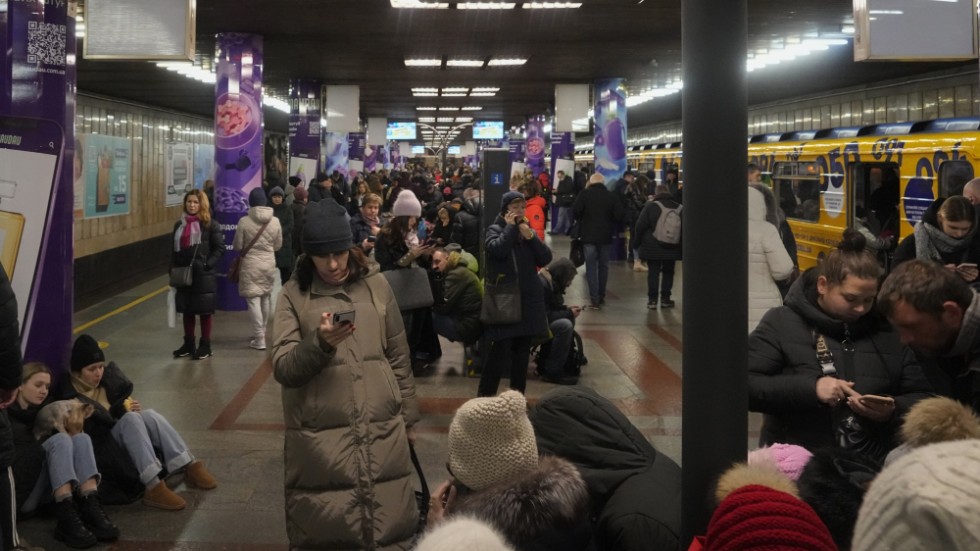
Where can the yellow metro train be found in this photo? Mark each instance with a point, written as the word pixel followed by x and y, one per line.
pixel 887 174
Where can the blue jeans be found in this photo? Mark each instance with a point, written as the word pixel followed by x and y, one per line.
pixel 444 326
pixel 564 222
pixel 140 432
pixel 597 270
pixel 666 283
pixel 562 330
pixel 69 459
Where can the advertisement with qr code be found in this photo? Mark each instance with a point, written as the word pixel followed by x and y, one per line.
pixel 178 171
pixel 106 164
pixel 37 44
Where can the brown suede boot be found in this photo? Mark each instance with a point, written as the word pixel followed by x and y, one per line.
pixel 198 475
pixel 162 497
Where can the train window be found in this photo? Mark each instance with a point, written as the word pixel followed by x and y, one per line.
pixel 798 187
pixel 874 196
pixel 953 175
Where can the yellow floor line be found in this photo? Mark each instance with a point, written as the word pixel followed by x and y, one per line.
pixel 119 310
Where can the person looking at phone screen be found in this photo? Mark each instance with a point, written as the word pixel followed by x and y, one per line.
pixel 339 351
pixel 807 395
pixel 946 234
pixel 366 224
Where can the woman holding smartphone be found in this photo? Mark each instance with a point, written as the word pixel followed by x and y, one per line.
pixel 348 396
pixel 946 234
pixel 813 360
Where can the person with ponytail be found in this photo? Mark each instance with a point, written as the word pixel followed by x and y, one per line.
pixel 946 234
pixel 827 361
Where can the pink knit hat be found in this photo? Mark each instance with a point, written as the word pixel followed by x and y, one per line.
pixel 789 459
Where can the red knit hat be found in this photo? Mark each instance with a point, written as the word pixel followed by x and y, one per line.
pixel 760 518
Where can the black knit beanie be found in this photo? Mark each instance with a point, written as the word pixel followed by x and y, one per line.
pixel 326 228
pixel 85 352
pixel 256 198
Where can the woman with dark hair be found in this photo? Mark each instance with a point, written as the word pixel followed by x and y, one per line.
pixel 826 364
pixel 198 242
pixel 340 354
pixel 442 228
pixel 946 234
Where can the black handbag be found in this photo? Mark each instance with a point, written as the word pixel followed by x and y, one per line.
pixel 421 497
pixel 577 253
pixel 411 287
pixel 183 276
pixel 502 301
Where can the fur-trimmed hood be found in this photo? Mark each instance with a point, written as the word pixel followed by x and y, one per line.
pixel 544 509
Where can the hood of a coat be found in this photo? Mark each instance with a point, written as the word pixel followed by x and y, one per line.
pixel 551 499
pixel 802 299
pixel 757 206
pixel 473 206
pixel 260 215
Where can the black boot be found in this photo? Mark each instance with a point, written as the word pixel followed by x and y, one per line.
pixel 185 350
pixel 70 528
pixel 203 351
pixel 95 519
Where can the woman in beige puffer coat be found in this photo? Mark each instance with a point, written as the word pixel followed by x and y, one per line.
pixel 348 397
pixel 258 271
pixel 768 261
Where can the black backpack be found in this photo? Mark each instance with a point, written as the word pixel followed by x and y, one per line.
pixel 573 362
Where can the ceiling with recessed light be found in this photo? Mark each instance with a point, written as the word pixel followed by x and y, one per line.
pixel 497 60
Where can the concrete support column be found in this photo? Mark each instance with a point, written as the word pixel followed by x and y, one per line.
pixel 42 85
pixel 715 297
pixel 237 142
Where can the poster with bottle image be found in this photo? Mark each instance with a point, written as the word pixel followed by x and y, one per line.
pixel 106 164
pixel 178 172
pixel 203 164
pixel 30 153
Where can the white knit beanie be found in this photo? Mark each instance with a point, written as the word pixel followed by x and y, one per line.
pixel 407 204
pixel 463 533
pixel 491 440
pixel 928 499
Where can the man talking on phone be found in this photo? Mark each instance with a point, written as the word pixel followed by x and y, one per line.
pixel 937 314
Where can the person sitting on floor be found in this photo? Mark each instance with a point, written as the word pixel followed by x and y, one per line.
pixel 555 278
pixel 137 430
pixel 458 295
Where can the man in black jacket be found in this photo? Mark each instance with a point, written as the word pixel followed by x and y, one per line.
pixel 565 194
pixel 10 373
pixel 597 211
pixel 325 187
pixel 555 278
pixel 466 225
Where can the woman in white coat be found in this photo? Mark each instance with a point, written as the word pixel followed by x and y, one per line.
pixel 768 260
pixel 258 271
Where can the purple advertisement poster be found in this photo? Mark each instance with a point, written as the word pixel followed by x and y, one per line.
pixel 337 153
pixel 517 156
pixel 37 80
pixel 237 141
pixel 535 146
pixel 610 129
pixel 370 158
pixel 395 155
pixel 355 153
pixel 562 158
pixel 382 160
pixel 304 129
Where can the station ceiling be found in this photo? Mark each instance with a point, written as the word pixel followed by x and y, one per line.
pixel 366 42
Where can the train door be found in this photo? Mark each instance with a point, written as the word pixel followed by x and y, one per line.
pixel 874 197
pixel 953 175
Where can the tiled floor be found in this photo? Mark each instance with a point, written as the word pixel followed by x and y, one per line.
pixel 228 407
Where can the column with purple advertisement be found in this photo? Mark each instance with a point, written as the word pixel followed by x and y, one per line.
pixel 237 141
pixel 37 81
pixel 304 129
pixel 610 129
pixel 535 145
pixel 516 147
pixel 562 159
pixel 355 153
pixel 337 154
pixel 370 157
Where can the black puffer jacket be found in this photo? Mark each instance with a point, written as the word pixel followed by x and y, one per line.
pixel 598 211
pixel 505 250
pixel 29 454
pixel 635 490
pixel 199 298
pixel 783 369
pixel 466 227
pixel 284 255
pixel 649 247
pixel 10 360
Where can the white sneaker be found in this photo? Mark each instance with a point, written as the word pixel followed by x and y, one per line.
pixel 639 267
pixel 258 344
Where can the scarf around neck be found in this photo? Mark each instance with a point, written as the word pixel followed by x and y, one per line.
pixel 931 243
pixel 188 234
pixel 94 393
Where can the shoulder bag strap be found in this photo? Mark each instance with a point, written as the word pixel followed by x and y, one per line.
pixel 824 357
pixel 254 239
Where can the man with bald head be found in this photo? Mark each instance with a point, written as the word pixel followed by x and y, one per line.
pixel 972 193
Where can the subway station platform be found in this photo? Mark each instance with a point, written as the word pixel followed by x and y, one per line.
pixel 228 407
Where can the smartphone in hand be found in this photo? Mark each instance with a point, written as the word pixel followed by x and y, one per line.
pixel 341 318
pixel 876 400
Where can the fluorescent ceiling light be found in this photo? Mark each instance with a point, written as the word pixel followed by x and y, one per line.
pixel 454 95
pixel 465 63
pixel 419 4
pixel 425 89
pixel 449 108
pixel 427 119
pixel 482 94
pixel 423 62
pixel 472 108
pixel 464 119
pixel 486 89
pixel 425 94
pixel 455 90
pixel 551 5
pixel 444 119
pixel 425 108
pixel 507 62
pixel 485 5
pixel 442 128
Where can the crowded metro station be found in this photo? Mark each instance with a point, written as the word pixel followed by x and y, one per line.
pixel 483 275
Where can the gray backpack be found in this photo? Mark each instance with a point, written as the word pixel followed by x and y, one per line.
pixel 668 228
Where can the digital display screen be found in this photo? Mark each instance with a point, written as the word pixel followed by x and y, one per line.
pixel 488 130
pixel 418 150
pixel 454 150
pixel 401 131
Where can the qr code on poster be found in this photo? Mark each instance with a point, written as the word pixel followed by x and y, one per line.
pixel 45 43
